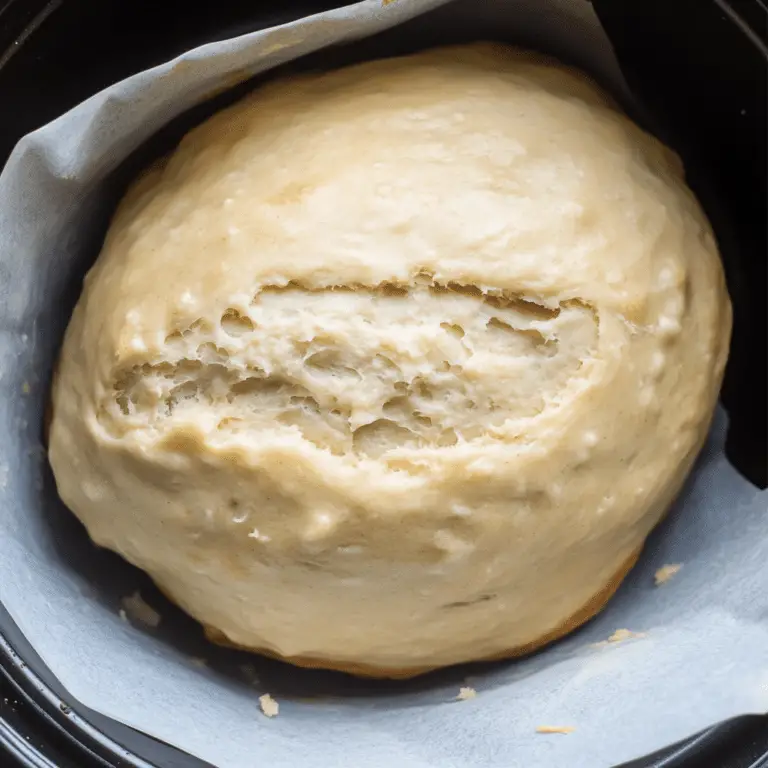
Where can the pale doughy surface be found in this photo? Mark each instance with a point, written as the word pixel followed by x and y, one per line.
pixel 397 366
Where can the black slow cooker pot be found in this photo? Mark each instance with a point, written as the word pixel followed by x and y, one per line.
pixel 698 66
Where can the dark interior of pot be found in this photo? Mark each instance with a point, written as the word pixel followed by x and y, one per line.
pixel 702 90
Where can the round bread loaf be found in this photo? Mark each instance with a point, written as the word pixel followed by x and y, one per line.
pixel 396 366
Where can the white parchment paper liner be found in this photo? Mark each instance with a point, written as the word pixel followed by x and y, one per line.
pixel 704 655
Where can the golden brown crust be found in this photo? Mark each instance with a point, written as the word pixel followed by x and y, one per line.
pixel 548 447
pixel 587 612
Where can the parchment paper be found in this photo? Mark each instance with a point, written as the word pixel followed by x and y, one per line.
pixel 704 653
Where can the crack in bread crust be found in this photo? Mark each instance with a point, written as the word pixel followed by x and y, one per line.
pixel 360 370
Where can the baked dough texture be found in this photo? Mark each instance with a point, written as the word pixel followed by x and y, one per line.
pixel 396 366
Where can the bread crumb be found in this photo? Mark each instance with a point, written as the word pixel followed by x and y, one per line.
pixel 25 388
pixel 137 610
pixel 555 729
pixel 619 636
pixel 666 572
pixel 123 616
pixel 465 692
pixel 198 662
pixel 268 705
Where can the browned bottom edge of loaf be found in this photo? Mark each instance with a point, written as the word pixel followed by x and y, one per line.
pixel 591 608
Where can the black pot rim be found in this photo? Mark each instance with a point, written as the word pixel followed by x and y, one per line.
pixel 91 747
pixel 53 717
